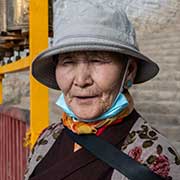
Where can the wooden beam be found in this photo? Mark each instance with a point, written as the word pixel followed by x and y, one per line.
pixel 39 116
pixel 19 65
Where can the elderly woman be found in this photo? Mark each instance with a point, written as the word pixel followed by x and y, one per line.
pixel 94 61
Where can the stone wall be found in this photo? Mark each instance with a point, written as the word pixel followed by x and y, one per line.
pixel 158 31
pixel 16 89
pixel 159 38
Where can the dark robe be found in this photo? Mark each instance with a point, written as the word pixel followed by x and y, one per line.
pixel 62 163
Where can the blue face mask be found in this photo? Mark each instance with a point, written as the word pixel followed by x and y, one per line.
pixel 118 105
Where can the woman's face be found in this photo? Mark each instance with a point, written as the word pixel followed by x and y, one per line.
pixel 90 81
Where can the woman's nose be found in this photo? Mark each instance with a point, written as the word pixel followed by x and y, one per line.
pixel 83 76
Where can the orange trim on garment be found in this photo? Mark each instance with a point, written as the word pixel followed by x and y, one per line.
pixel 102 129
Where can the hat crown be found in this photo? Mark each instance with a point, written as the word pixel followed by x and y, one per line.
pixel 98 19
pixel 90 25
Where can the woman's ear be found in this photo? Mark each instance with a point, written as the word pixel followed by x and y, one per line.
pixel 131 74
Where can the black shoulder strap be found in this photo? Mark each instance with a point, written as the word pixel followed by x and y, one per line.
pixel 114 157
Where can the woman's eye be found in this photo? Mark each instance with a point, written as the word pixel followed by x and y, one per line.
pixel 67 61
pixel 98 61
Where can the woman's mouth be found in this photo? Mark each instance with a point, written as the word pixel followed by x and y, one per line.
pixel 86 99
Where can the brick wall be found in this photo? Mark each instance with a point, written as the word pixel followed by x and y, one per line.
pixel 159 99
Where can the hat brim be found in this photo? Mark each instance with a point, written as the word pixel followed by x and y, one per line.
pixel 43 66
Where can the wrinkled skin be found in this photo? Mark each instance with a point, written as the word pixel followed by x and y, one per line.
pixel 90 81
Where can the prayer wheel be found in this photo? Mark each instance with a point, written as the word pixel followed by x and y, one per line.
pixel 18 15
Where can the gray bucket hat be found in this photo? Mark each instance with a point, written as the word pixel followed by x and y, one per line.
pixel 90 26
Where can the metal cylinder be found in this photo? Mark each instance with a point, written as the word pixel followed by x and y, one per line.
pixel 17 15
pixel 2 16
